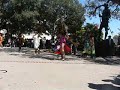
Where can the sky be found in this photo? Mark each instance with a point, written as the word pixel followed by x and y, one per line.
pixel 113 23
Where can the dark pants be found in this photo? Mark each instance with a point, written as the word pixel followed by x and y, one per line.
pixel 110 51
pixel 74 48
pixel 19 45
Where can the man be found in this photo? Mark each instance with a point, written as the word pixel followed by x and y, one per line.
pixel 75 44
pixel 109 46
pixel 36 41
pixel 44 42
pixel 20 41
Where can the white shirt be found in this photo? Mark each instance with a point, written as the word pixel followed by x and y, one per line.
pixel 36 41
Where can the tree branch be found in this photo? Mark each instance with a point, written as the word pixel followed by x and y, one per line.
pixel 108 1
pixel 115 8
pixel 97 8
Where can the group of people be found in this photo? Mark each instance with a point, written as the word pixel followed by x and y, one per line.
pixel 35 41
pixel 89 46
pixel 61 46
pixel 64 44
pixel 20 41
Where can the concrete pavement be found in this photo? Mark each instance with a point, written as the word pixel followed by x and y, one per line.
pixel 26 71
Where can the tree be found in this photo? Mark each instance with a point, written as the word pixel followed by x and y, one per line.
pixel 42 15
pixel 86 32
pixel 70 10
pixel 21 14
pixel 106 9
pixel 94 7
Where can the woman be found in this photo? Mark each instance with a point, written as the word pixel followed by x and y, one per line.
pixel 62 41
pixel 64 48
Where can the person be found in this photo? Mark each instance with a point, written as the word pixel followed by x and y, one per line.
pixel 69 42
pixel 118 46
pixel 118 43
pixel 52 41
pixel 1 40
pixel 36 41
pixel 60 46
pixel 20 41
pixel 9 41
pixel 92 47
pixel 109 46
pixel 86 50
pixel 62 41
pixel 75 44
pixel 44 42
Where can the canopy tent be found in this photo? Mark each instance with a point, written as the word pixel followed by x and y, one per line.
pixel 3 31
pixel 30 36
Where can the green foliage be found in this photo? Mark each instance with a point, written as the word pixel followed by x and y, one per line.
pixel 87 31
pixel 21 14
pixel 24 14
pixel 72 12
pixel 94 7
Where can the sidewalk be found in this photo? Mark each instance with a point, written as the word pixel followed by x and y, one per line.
pixel 28 53
pixel 28 72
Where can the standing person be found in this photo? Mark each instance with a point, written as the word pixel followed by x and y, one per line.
pixel 36 41
pixel 75 44
pixel 9 42
pixel 62 44
pixel 44 42
pixel 1 40
pixel 69 42
pixel 20 41
pixel 52 41
pixel 92 47
pixel 86 50
pixel 110 46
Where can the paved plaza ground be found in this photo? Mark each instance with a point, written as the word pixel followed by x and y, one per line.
pixel 26 71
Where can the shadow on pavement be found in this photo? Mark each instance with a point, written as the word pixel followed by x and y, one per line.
pixel 26 52
pixel 15 49
pixel 48 56
pixel 106 60
pixel 115 85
